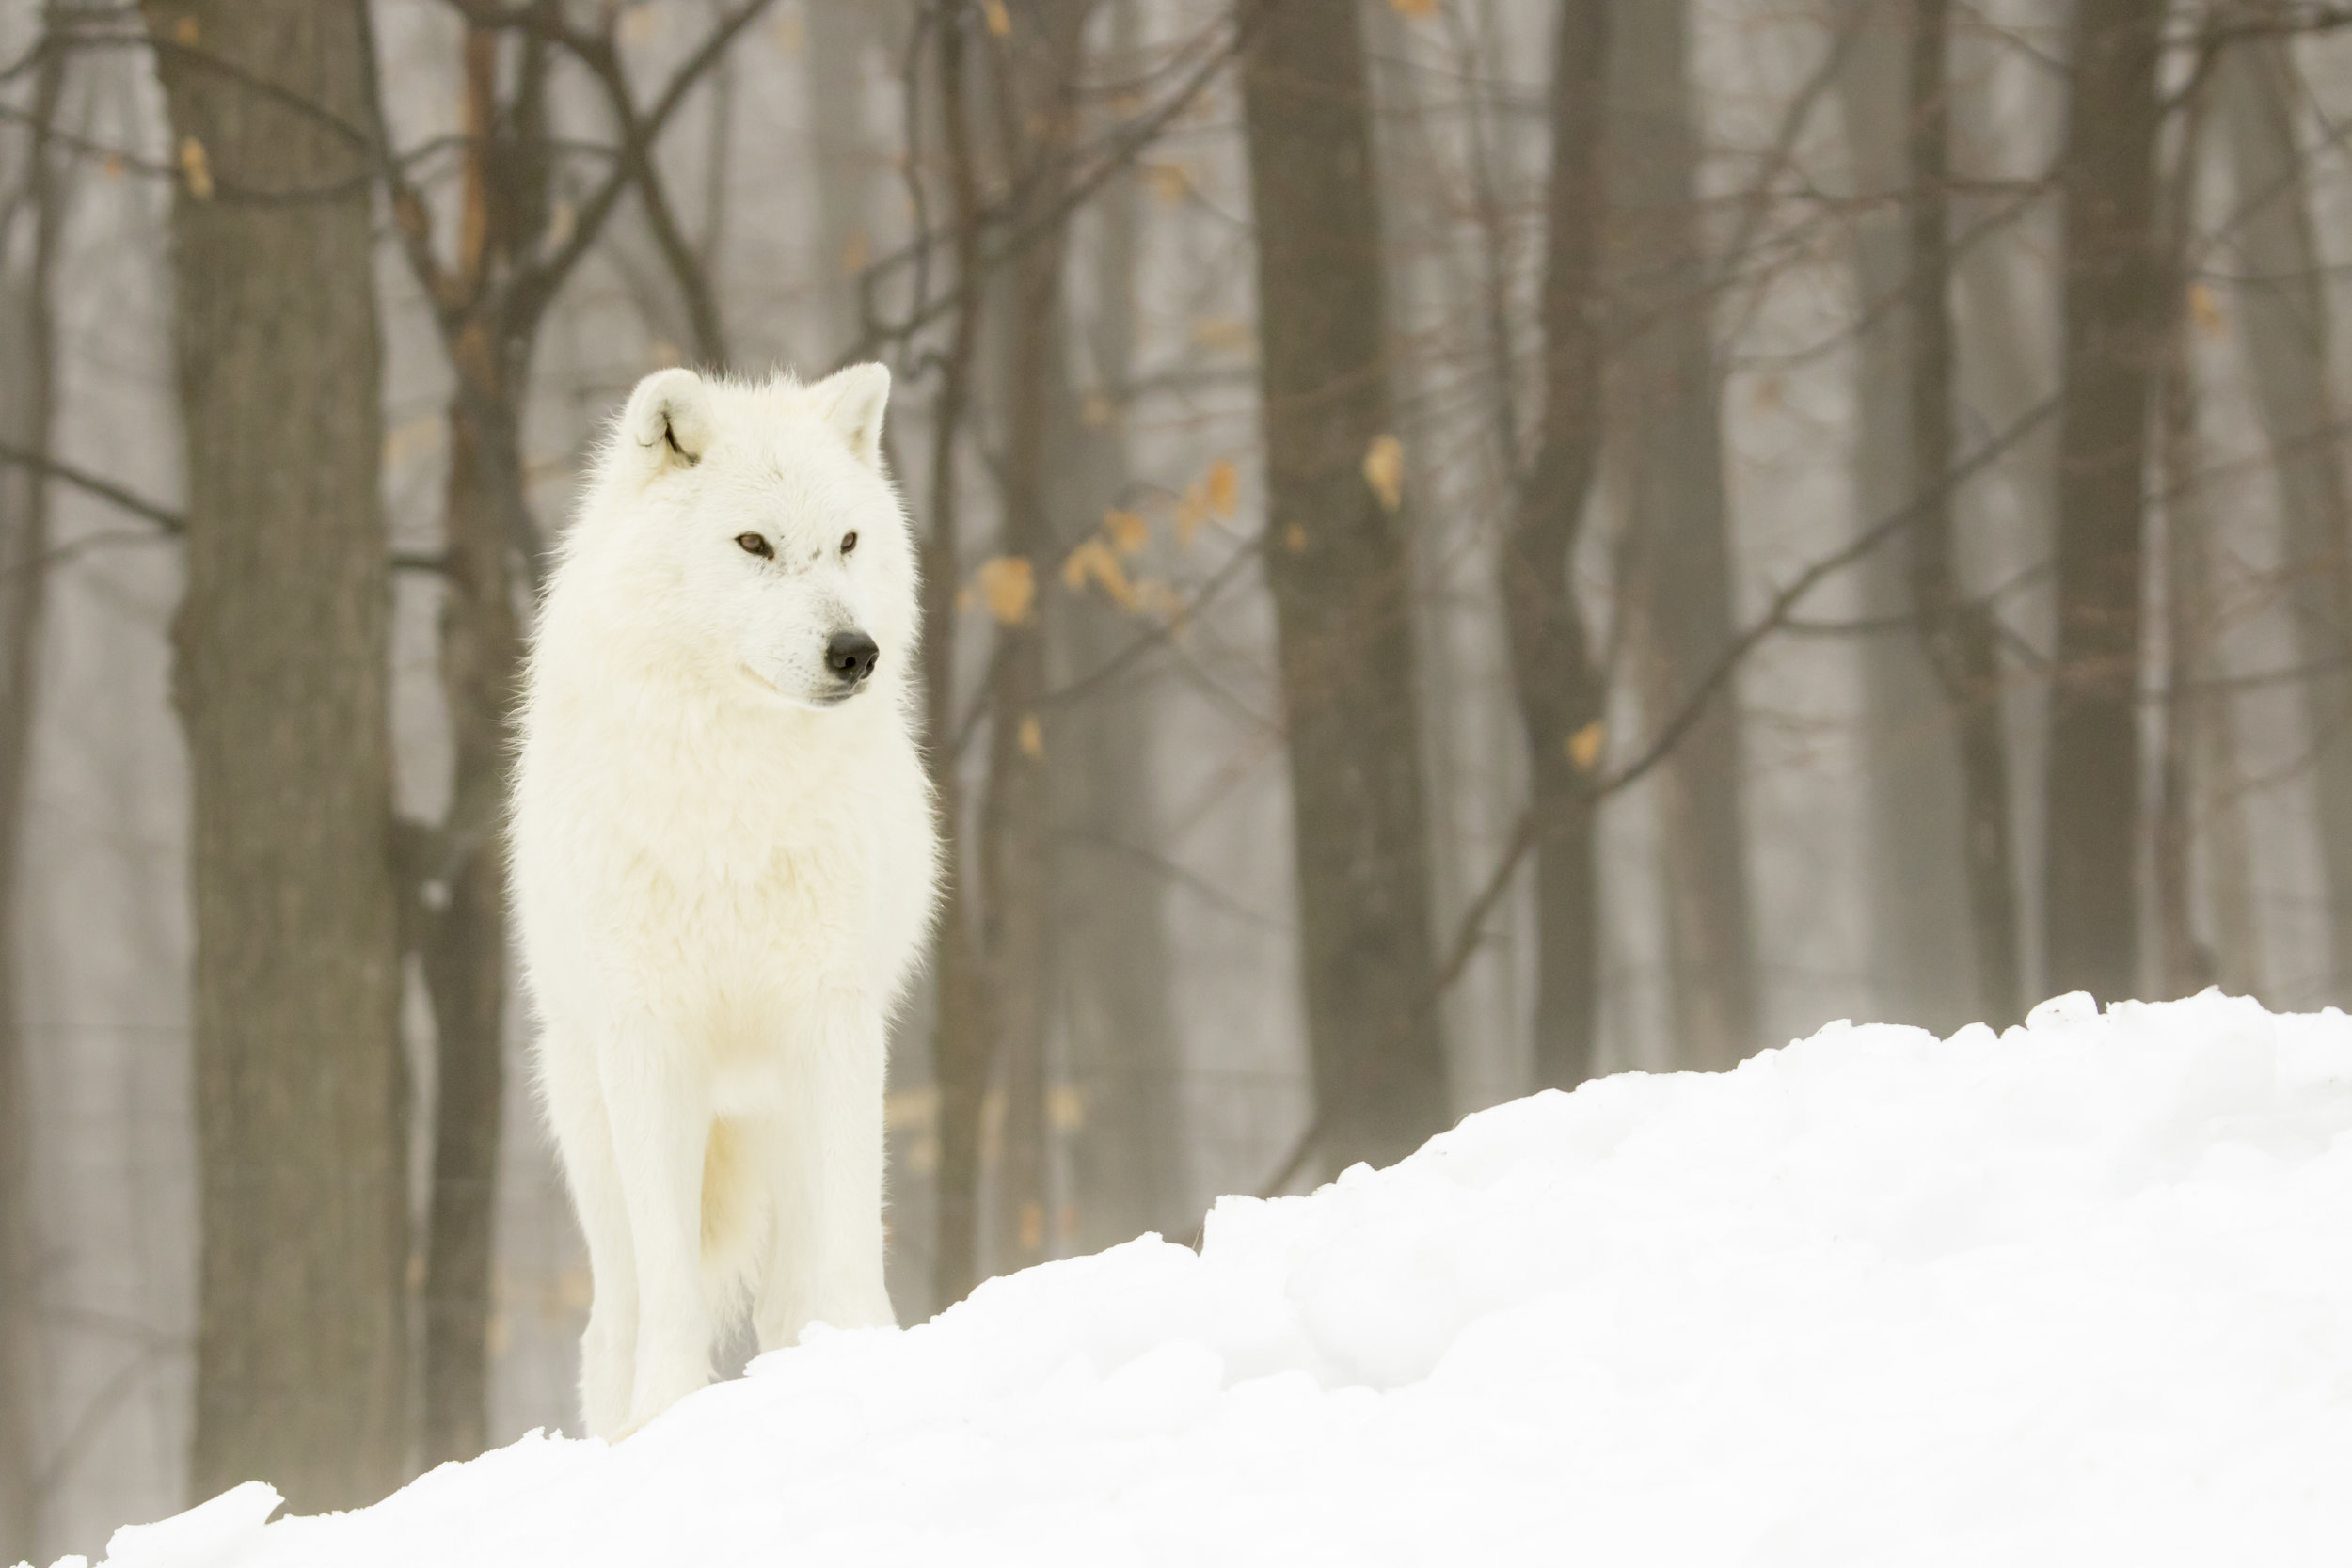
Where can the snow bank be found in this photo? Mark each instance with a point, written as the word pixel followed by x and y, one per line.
pixel 2081 1294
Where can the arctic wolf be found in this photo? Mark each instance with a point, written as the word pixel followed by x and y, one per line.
pixel 723 862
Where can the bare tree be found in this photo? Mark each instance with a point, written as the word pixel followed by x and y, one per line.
pixel 1922 958
pixel 490 296
pixel 29 406
pixel 1112 923
pixel 1958 631
pixel 1561 687
pixel 964 1025
pixel 2184 963
pixel 2113 341
pixel 1667 400
pixel 1334 556
pixel 281 682
pixel 460 922
pixel 2288 329
pixel 1035 98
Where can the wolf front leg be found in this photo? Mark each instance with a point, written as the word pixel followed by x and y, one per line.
pixel 659 1110
pixel 608 1351
pixel 824 1260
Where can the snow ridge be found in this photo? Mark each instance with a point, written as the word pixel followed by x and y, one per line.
pixel 2079 1294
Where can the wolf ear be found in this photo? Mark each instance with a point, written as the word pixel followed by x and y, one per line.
pixel 668 419
pixel 851 402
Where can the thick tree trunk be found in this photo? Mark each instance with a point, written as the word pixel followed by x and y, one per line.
pixel 2288 331
pixel 2113 344
pixel 1336 559
pixel 1922 952
pixel 281 681
pixel 28 356
pixel 1560 692
pixel 1675 487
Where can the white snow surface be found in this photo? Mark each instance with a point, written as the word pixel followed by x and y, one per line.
pixel 2079 1295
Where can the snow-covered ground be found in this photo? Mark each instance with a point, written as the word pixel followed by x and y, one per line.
pixel 2078 1296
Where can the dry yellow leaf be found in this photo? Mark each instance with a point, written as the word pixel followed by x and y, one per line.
pixel 185 31
pixel 113 167
pixel 1126 530
pixel 1032 737
pixel 1032 1214
pixel 1417 9
pixel 1008 584
pixel 1384 470
pixel 1295 539
pixel 638 25
pixel 999 19
pixel 1065 1107
pixel 1224 486
pixel 790 32
pixel 965 598
pixel 2204 308
pixel 1583 747
pixel 1097 412
pixel 855 253
pixel 196 168
pixel 1093 560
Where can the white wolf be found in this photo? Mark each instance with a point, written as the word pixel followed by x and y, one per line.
pixel 724 864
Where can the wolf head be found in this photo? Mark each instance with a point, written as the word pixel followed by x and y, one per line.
pixel 753 530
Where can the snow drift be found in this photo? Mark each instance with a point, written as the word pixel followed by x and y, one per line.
pixel 2078 1294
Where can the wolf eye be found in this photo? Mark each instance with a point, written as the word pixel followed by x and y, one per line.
pixel 849 542
pixel 758 546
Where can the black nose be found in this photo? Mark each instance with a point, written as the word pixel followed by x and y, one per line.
pixel 850 655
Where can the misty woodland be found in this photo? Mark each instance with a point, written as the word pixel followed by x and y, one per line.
pixel 1466 545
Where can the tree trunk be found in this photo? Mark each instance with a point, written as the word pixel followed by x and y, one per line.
pixel 1958 632
pixel 281 681
pixel 1560 692
pixel 2183 963
pixel 461 924
pixel 2287 336
pixel 1336 558
pixel 2113 343
pixel 1127 1153
pixel 1035 99
pixel 1922 954
pixel 28 357
pixel 962 1027
pixel 2186 964
pixel 1675 493
pixel 463 946
pixel 837 35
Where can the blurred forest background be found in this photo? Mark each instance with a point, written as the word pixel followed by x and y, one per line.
pixel 1471 544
